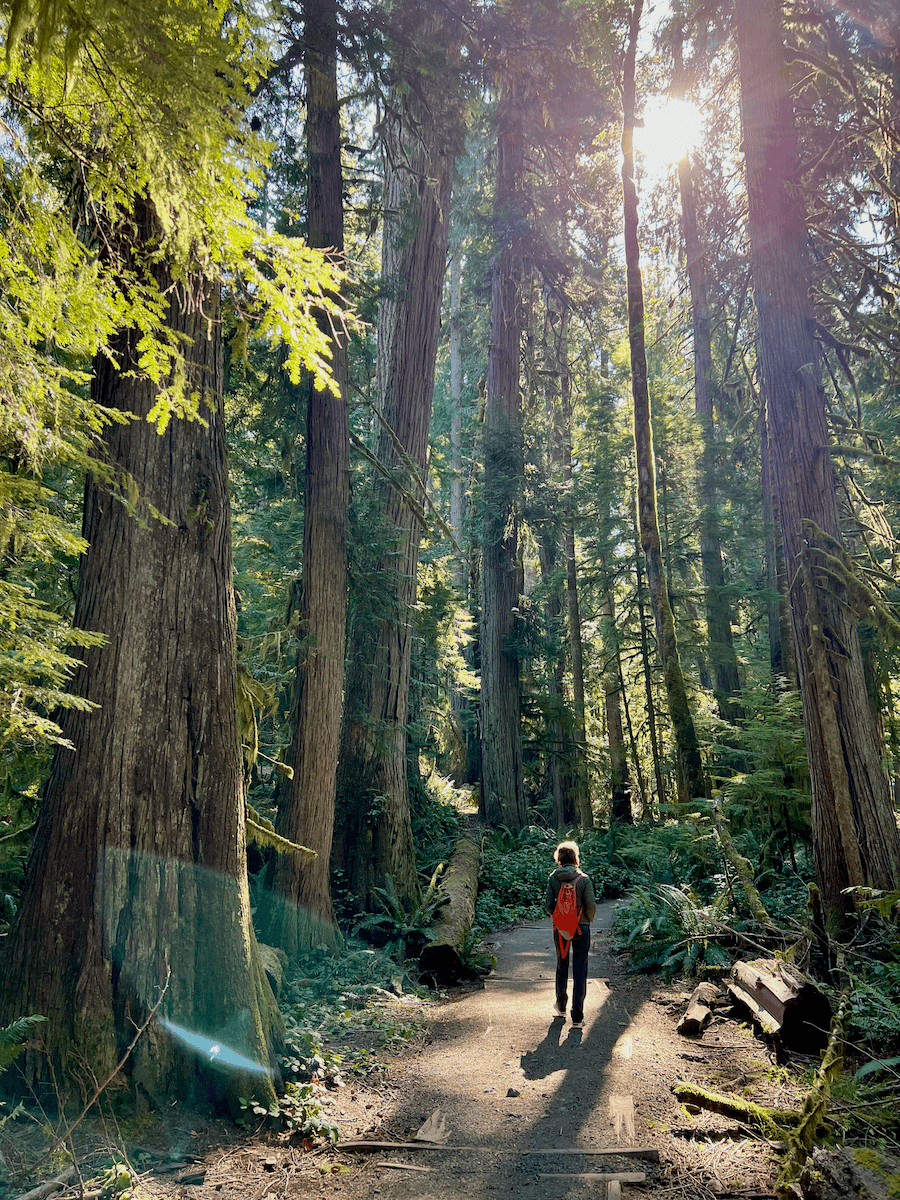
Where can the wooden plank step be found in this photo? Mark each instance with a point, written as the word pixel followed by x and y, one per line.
pixel 597 1176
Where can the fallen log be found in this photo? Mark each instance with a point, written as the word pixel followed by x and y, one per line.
pixel 769 1120
pixel 442 958
pixel 52 1185
pixel 783 1002
pixel 698 1013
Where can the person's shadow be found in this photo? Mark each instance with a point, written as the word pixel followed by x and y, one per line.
pixel 544 1059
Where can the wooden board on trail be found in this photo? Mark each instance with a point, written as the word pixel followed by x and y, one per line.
pixel 649 1152
pixel 597 1176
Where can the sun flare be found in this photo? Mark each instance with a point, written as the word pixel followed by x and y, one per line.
pixel 671 129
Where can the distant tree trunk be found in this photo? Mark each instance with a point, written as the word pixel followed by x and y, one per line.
pixel 139 866
pixel 457 485
pixel 583 806
pixel 565 757
pixel 563 806
pixel 459 701
pixel 718 616
pixel 778 612
pixel 620 808
pixel 855 838
pixel 374 833
pixel 629 725
pixel 502 768
pixel 689 769
pixel 300 915
pixel 652 734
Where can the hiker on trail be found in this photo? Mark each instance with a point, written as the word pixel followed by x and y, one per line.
pixel 570 902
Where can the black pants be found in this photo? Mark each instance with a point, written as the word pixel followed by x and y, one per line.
pixel 578 956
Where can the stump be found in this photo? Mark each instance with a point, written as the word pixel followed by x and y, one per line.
pixel 783 1002
pixel 697 1015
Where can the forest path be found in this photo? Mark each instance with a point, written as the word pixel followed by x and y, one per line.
pixel 511 1080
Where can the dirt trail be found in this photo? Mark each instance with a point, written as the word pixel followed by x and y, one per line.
pixel 511 1080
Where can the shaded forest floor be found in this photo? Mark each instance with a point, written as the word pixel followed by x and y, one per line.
pixel 509 1081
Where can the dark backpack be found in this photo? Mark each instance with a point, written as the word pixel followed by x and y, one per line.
pixel 566 916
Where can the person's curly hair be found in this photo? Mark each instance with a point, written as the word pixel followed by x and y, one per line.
pixel 566 852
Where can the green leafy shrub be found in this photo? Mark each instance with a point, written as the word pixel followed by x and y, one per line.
pixel 668 929
pixel 683 853
pixel 875 1018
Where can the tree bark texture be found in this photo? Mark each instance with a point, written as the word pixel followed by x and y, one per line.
pixel 501 739
pixel 689 771
pixel 138 872
pixel 300 914
pixel 652 735
pixel 855 837
pixel 375 831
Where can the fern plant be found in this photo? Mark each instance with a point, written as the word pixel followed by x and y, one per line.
pixel 397 928
pixel 667 928
pixel 13 1036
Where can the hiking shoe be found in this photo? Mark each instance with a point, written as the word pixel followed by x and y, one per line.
pixel 559 1010
pixel 578 1024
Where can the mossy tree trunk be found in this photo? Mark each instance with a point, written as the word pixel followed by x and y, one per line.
pixel 138 872
pixel 855 838
pixel 299 913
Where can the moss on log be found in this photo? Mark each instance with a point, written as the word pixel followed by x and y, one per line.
pixel 442 958
pixel 770 1120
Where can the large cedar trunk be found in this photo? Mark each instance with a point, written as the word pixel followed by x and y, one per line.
pixel 374 836
pixel 855 837
pixel 689 772
pixel 300 915
pixel 138 873
pixel 501 739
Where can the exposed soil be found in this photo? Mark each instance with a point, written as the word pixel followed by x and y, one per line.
pixel 520 1093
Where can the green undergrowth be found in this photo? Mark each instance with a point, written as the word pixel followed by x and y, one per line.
pixel 345 1016
pixel 516 866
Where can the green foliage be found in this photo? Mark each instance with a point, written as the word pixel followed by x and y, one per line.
pixel 516 867
pixel 340 1018
pixel 875 1017
pixel 301 1108
pixel 108 106
pixel 402 930
pixel 682 853
pixel 668 929
pixel 437 807
pixel 13 1036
